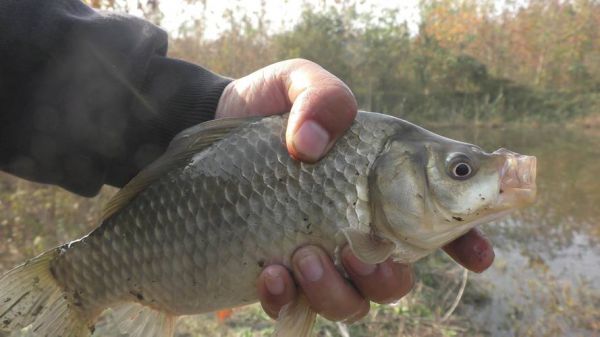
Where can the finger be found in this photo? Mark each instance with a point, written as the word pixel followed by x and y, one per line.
pixel 323 108
pixel 386 282
pixel 276 288
pixel 327 291
pixel 473 250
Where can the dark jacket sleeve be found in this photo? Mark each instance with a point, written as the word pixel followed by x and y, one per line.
pixel 89 98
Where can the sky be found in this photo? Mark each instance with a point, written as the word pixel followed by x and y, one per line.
pixel 283 14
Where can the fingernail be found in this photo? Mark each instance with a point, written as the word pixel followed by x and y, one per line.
pixel 311 140
pixel 309 264
pixel 274 282
pixel 357 266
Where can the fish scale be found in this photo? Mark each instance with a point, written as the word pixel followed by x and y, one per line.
pixel 192 231
pixel 196 239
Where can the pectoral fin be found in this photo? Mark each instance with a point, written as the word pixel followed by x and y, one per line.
pixel 295 319
pixel 369 248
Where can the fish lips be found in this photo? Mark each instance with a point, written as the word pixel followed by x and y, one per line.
pixel 517 179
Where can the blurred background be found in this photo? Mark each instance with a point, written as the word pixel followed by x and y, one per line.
pixel 520 74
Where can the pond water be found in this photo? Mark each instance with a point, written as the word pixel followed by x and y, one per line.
pixel 546 277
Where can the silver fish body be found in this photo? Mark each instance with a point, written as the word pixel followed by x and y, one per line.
pixel 192 232
pixel 196 239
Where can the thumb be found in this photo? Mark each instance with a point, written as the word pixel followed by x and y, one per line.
pixel 323 108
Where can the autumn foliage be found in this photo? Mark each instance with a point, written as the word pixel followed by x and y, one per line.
pixel 467 60
pixel 549 44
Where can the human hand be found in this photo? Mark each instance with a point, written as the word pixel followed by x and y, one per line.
pixel 321 108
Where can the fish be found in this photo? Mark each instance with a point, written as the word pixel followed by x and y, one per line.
pixel 191 232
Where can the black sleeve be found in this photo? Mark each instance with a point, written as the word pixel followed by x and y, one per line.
pixel 89 98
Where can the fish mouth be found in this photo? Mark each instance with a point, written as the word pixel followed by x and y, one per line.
pixel 517 179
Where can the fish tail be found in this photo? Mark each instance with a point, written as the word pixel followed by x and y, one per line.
pixel 30 295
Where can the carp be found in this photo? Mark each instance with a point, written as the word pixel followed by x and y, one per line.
pixel 191 233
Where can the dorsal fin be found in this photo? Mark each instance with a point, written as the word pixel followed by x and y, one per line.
pixel 186 144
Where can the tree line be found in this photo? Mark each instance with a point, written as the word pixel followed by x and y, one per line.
pixel 538 59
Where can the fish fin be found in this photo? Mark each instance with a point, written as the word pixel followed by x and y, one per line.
pixel 204 134
pixel 181 149
pixel 30 295
pixel 295 319
pixel 367 247
pixel 135 320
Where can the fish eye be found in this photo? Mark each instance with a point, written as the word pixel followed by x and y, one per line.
pixel 460 168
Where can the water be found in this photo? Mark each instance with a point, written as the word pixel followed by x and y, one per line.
pixel 546 277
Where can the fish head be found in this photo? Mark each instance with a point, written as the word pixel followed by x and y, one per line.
pixel 430 190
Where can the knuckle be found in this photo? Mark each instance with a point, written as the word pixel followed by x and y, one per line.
pixel 298 61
